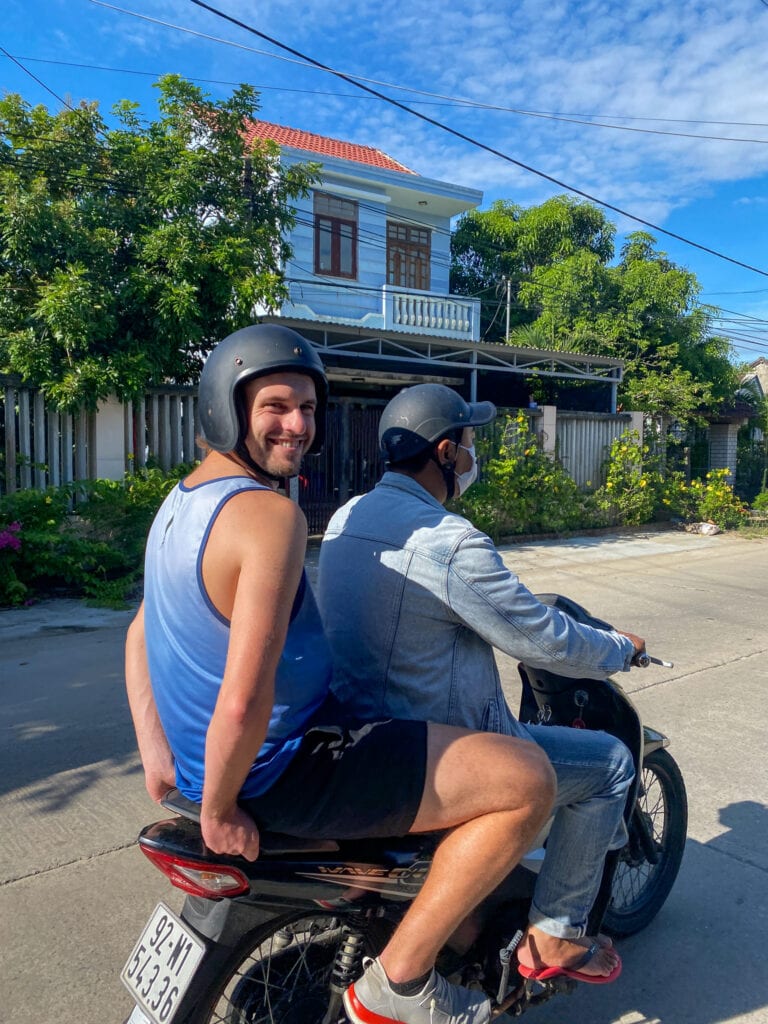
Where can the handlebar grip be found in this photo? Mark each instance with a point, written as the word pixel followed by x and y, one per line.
pixel 641 659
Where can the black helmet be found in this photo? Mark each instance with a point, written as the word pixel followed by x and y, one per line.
pixel 419 416
pixel 253 352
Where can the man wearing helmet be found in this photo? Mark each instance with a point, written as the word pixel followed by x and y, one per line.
pixel 414 600
pixel 228 675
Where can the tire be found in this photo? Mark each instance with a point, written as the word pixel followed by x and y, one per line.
pixel 639 887
pixel 279 974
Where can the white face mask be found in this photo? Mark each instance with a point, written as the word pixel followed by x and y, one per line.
pixel 465 480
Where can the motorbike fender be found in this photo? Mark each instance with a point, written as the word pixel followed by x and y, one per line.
pixel 653 740
pixel 223 922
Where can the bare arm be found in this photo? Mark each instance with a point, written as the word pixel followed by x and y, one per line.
pixel 155 753
pixel 252 567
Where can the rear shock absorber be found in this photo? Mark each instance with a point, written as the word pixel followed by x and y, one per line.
pixel 349 958
pixel 346 967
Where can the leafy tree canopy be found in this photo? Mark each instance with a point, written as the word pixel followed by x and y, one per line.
pixel 127 252
pixel 568 293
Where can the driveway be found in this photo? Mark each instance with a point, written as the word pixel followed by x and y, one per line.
pixel 74 891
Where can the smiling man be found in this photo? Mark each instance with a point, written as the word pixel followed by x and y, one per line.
pixel 228 672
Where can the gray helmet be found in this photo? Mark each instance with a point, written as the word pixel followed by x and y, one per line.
pixel 419 416
pixel 253 352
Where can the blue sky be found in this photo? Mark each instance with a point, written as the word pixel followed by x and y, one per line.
pixel 671 73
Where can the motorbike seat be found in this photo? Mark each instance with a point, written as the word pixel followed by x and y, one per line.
pixel 270 843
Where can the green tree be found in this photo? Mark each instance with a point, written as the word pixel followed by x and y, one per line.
pixel 643 310
pixel 509 241
pixel 126 252
pixel 570 296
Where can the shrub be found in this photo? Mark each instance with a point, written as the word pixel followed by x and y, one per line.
pixel 760 504
pixel 85 538
pixel 10 546
pixel 524 490
pixel 716 501
pixel 630 493
pixel 711 500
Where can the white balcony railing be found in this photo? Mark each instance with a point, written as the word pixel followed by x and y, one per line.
pixel 391 309
pixel 421 313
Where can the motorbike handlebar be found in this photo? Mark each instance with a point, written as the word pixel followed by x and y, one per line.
pixel 642 660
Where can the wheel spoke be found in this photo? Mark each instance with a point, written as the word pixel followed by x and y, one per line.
pixel 284 979
pixel 639 887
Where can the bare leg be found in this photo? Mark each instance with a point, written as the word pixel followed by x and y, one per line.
pixel 495 792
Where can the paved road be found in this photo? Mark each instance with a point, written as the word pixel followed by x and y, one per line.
pixel 74 892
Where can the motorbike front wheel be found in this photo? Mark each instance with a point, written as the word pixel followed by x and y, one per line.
pixel 278 974
pixel 640 886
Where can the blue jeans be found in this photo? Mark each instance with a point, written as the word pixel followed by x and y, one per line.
pixel 594 772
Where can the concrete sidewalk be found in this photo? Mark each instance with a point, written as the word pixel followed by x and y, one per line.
pixel 74 891
pixel 62 615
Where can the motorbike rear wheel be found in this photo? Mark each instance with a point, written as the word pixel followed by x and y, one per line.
pixel 278 974
pixel 640 887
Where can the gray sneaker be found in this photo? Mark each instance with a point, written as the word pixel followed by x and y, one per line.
pixel 370 1000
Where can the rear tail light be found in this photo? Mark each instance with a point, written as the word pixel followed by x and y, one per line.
pixel 198 877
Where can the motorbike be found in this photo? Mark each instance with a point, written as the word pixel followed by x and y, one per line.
pixel 278 940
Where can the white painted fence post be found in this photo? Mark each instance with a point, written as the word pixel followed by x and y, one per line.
pixel 108 459
pixel 637 422
pixel 547 429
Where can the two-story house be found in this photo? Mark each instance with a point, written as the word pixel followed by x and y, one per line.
pixel 368 284
pixel 372 242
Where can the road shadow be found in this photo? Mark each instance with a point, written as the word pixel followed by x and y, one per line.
pixel 701 960
pixel 63 709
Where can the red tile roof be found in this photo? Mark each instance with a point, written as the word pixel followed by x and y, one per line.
pixel 297 139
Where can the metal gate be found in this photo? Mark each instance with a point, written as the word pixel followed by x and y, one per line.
pixel 349 463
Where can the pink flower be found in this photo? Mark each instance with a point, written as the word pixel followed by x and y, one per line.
pixel 9 538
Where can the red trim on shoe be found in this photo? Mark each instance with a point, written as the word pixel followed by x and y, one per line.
pixel 545 973
pixel 361 1014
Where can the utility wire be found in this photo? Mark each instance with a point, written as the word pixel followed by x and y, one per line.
pixel 39 81
pixel 381 241
pixel 378 240
pixel 441 100
pixel 474 142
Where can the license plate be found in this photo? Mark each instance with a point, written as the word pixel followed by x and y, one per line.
pixel 161 966
pixel 138 1017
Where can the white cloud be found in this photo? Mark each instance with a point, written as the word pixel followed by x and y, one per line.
pixel 647 59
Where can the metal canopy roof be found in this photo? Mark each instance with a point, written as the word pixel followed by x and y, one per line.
pixel 395 347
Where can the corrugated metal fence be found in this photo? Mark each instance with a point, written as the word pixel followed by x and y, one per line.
pixel 582 443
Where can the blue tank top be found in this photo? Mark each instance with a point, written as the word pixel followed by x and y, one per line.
pixel 187 641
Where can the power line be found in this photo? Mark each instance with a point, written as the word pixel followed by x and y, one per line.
pixel 752 291
pixel 472 141
pixel 378 240
pixel 443 100
pixel 39 81
pixel 373 238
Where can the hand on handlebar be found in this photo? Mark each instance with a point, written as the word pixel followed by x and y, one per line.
pixel 639 657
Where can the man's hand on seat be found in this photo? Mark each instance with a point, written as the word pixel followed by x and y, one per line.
pixel 159 779
pixel 234 833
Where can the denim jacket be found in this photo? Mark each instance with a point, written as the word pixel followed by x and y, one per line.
pixel 414 599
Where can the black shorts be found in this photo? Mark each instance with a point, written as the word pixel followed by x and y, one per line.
pixel 359 780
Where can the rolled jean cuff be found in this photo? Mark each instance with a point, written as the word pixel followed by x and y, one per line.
pixel 557 929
